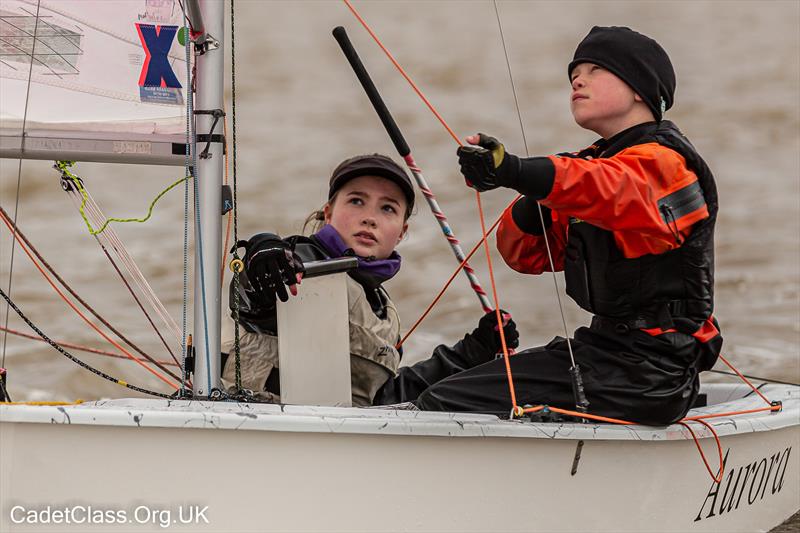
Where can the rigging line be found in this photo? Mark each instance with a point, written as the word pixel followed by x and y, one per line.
pixel 718 478
pixel 576 414
pixel 49 404
pixel 187 170
pixel 133 271
pixel 75 295
pixel 755 389
pixel 511 79
pixel 112 239
pixel 477 198
pixel 538 206
pixel 581 403
pixel 75 359
pixel 397 65
pixel 143 285
pixel 773 408
pixel 498 314
pixel 63 167
pixel 450 280
pixel 19 170
pixel 455 244
pixel 765 380
pixel 139 303
pixel 87 349
pixel 78 311
pixel 236 271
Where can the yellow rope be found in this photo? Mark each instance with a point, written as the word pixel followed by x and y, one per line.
pixel 63 166
pixel 76 402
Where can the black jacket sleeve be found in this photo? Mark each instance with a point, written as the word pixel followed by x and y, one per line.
pixel 525 214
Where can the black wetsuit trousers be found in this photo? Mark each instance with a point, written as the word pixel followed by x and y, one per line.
pixel 631 375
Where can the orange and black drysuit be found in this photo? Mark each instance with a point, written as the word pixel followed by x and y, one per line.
pixel 630 221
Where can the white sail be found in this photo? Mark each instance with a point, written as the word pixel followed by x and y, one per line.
pixel 92 80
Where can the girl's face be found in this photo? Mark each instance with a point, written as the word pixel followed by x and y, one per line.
pixel 602 102
pixel 369 214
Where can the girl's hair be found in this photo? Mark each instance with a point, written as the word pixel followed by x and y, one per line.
pixel 315 221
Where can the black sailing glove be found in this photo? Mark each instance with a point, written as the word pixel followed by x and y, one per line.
pixel 488 166
pixel 270 265
pixel 488 334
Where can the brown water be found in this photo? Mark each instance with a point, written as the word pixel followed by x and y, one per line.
pixel 300 111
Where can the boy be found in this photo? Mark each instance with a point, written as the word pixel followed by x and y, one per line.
pixel 630 221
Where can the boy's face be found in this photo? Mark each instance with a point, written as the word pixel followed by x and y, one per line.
pixel 602 102
pixel 369 214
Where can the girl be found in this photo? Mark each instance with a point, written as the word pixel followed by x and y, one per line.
pixel 370 199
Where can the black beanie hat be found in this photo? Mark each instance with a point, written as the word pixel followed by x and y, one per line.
pixel 635 58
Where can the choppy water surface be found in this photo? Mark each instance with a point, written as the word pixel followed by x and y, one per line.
pixel 300 111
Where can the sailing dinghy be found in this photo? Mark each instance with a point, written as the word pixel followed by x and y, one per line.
pixel 202 465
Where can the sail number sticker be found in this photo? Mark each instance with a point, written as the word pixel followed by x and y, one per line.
pixel 157 82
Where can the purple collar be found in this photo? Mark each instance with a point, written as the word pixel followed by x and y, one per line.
pixel 381 268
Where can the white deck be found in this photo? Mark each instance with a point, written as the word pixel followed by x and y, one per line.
pixel 389 421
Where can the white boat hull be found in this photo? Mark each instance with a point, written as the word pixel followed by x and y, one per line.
pixel 329 469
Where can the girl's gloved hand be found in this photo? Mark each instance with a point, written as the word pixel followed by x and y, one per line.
pixel 271 265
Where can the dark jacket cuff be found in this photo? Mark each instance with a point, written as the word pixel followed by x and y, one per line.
pixel 525 213
pixel 534 178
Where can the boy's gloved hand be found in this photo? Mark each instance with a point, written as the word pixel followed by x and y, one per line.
pixel 270 265
pixel 487 166
pixel 488 333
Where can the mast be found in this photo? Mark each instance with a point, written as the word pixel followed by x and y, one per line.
pixel 209 101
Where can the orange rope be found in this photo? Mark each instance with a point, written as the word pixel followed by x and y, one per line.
pixel 80 314
pixel 403 72
pixel 745 379
pixel 698 418
pixel 78 347
pixel 577 414
pixel 718 478
pixel 500 328
pixel 41 404
pixel 450 280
